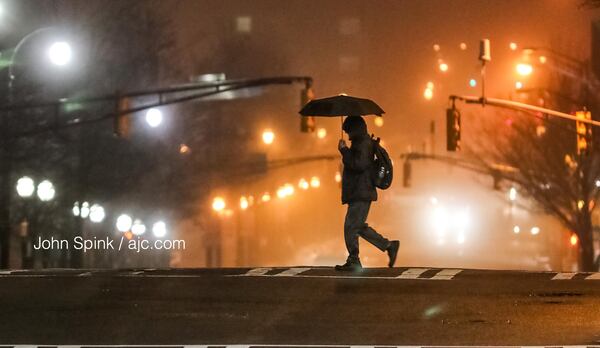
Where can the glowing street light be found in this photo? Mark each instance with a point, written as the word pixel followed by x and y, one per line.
pixel 518 85
pixel 574 239
pixel 315 182
pixel 321 133
pixel 303 184
pixel 97 213
pixel 473 83
pixel 524 69
pixel 154 117
pixel 513 46
pixel 25 187
pixel 268 136
pixel 516 230
pixel 463 46
pixel 60 53
pixel 218 204
pixel 45 191
pixel 378 121
pixel 244 204
pixel 85 210
pixel 76 211
pixel 535 230
pixel 512 194
pixel 338 177
pixel 124 223
pixel 265 197
pixel 443 67
pixel 138 228
pixel 159 229
pixel 428 94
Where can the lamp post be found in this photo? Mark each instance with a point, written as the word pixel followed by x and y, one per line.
pixel 59 54
pixel 25 189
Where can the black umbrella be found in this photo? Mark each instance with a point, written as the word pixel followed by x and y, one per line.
pixel 341 105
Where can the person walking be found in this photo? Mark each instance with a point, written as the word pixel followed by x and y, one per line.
pixel 358 191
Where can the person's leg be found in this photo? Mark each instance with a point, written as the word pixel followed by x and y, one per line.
pixel 353 223
pixel 369 234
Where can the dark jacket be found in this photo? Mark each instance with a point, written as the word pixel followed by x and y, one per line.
pixel 357 184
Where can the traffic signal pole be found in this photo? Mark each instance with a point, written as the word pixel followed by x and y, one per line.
pixel 513 105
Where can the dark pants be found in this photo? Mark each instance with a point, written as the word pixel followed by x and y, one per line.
pixel 355 225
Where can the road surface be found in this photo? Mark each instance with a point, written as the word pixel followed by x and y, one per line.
pixel 299 306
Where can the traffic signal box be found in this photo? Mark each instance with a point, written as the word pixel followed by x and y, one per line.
pixel 584 132
pixel 122 120
pixel 452 129
pixel 307 123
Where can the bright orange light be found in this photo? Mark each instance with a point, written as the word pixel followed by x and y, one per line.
pixel 303 184
pixel 428 94
pixel 321 133
pixel 463 46
pixel 430 85
pixel 513 46
pixel 184 149
pixel 436 47
pixel 338 177
pixel 378 121
pixel 265 197
pixel 281 192
pixel 524 69
pixel 543 59
pixel 519 85
pixel 218 204
pixel 443 67
pixel 268 136
pixel 315 182
pixel 128 235
pixel 244 204
pixel 574 239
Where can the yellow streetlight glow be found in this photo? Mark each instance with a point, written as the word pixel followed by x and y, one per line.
pixel 516 229
pixel 430 85
pixel 315 182
pixel 265 197
pixel 513 46
pixel 244 203
pixel 524 69
pixel 321 133
pixel 428 94
pixel 338 177
pixel 443 67
pixel 436 47
pixel 535 230
pixel 543 59
pixel 574 239
pixel 463 46
pixel 218 204
pixel 184 149
pixel 268 136
pixel 303 184
pixel 378 121
pixel 519 85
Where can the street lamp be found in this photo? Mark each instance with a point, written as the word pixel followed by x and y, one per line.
pixel 97 213
pixel 25 187
pixel 524 69
pixel 154 117
pixel 46 191
pixel 124 223
pixel 138 228
pixel 60 53
pixel 268 136
pixel 159 229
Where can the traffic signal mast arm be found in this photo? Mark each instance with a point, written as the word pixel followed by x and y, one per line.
pixel 513 105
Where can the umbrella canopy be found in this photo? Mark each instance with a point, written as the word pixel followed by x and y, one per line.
pixel 341 105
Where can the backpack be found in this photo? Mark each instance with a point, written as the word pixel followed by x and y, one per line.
pixel 383 169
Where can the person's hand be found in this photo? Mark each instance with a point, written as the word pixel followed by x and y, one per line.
pixel 342 144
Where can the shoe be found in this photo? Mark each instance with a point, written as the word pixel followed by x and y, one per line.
pixel 392 251
pixel 349 267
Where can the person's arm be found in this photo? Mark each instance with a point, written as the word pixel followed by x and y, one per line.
pixel 357 157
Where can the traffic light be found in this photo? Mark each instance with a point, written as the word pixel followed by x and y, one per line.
pixel 584 132
pixel 122 120
pixel 307 123
pixel 452 129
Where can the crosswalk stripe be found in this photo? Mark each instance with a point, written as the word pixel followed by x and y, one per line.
pixel 412 273
pixel 446 274
pixel 564 276
pixel 594 276
pixel 258 271
pixel 292 272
